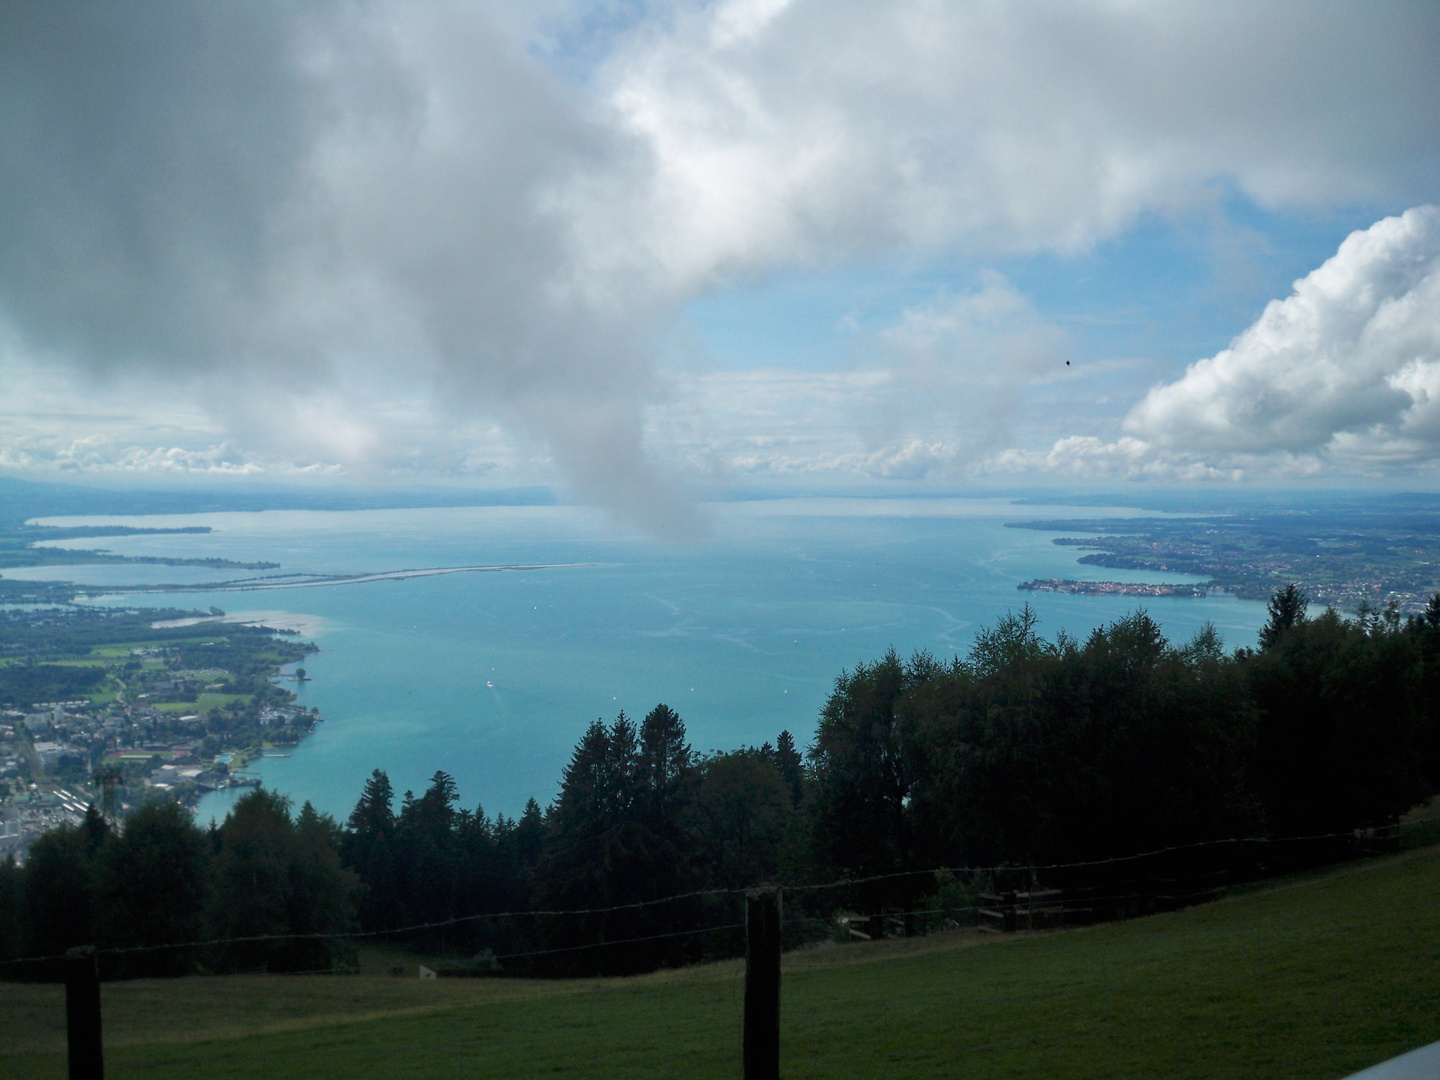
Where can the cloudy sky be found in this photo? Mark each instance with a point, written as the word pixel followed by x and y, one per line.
pixel 643 251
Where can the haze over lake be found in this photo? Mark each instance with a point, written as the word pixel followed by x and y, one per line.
pixel 493 676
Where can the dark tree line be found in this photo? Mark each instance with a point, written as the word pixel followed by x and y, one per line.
pixel 640 818
pixel 161 880
pixel 1025 752
pixel 28 683
pixel 1032 752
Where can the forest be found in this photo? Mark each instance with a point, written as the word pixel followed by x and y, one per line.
pixel 1025 753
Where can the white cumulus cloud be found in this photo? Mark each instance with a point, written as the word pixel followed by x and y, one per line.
pixel 1348 365
pixel 807 132
pixel 1343 374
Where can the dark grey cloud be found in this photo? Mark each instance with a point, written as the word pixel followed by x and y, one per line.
pixel 146 153
pixel 349 194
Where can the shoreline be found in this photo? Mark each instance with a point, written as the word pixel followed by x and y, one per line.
pixel 280 621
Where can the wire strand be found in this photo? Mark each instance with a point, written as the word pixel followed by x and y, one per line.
pixel 838 883
pixel 843 882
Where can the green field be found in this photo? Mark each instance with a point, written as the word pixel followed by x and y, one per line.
pixel 126 650
pixel 84 661
pixel 1314 978
pixel 203 703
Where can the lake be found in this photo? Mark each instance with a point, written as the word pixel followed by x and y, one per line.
pixel 494 676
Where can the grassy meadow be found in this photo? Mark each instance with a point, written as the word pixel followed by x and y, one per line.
pixel 1308 978
pixel 202 704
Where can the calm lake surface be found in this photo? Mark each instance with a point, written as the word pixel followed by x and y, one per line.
pixel 494 676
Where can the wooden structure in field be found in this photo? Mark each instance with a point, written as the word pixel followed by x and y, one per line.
pixel 1022 909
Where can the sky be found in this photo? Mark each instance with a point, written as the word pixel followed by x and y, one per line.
pixel 650 253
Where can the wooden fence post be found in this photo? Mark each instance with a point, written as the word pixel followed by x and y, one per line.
pixel 762 983
pixel 82 1015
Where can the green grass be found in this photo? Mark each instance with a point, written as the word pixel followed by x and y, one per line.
pixel 1309 979
pixel 114 652
pixel 125 650
pixel 202 704
pixel 73 661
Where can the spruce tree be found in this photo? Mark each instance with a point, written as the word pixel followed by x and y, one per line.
pixel 1287 609
pixel 788 763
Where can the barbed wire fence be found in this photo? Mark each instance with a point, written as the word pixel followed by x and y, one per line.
pixel 762 925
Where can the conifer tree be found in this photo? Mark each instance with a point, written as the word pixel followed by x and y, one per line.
pixel 369 848
pixel 1287 609
pixel 664 767
pixel 790 766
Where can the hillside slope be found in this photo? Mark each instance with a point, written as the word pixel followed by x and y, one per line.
pixel 1308 979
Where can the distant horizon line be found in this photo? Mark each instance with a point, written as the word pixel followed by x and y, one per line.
pixel 417 495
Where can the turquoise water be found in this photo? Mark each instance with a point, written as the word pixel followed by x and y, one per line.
pixel 493 676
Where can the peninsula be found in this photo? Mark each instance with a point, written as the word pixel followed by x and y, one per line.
pixel 1108 588
pixel 1346 553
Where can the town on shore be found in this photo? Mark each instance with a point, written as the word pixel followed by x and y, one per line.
pixel 1108 588
pixel 114 708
